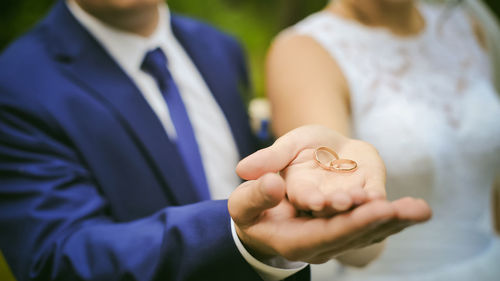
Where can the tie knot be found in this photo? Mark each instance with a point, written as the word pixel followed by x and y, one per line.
pixel 155 64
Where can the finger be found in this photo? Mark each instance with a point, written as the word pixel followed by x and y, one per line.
pixel 362 218
pixel 339 230
pixel 372 234
pixel 358 195
pixel 337 201
pixel 393 228
pixel 375 173
pixel 251 198
pixel 340 200
pixel 378 235
pixel 375 185
pixel 304 195
pixel 409 211
pixel 375 195
pixel 268 160
pixel 412 209
pixel 375 234
pixel 279 155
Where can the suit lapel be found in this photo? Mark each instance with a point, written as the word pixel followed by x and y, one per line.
pixel 89 64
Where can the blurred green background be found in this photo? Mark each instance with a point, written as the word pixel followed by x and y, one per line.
pixel 254 22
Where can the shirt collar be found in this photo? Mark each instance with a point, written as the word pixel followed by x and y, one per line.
pixel 128 49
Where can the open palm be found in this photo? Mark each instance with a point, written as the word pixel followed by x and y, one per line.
pixel 326 192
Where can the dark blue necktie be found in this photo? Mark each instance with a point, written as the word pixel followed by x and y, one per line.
pixel 155 64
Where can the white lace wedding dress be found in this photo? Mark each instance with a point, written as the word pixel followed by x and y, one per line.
pixel 427 103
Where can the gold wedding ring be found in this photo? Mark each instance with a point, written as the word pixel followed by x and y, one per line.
pixel 323 152
pixel 343 165
pixel 329 160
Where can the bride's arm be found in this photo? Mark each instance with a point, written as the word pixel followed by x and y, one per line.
pixel 306 86
pixel 496 204
pixel 481 38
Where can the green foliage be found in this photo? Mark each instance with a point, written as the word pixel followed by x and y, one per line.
pixel 253 22
pixel 16 17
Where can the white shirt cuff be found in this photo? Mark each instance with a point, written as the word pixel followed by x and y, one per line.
pixel 273 269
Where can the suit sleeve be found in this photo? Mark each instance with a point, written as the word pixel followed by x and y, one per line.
pixel 56 225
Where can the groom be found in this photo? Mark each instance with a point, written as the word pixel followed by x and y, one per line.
pixel 118 123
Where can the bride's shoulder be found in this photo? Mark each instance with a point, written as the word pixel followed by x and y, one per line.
pixel 307 33
pixel 296 55
pixel 321 21
pixel 309 42
pixel 291 43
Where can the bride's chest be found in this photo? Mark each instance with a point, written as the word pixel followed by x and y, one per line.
pixel 418 130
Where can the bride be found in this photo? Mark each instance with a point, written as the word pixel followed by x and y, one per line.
pixel 413 79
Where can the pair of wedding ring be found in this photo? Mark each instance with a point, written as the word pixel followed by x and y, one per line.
pixel 329 160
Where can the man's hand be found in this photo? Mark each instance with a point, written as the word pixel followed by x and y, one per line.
pixel 269 225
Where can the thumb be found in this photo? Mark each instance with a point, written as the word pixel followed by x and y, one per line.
pixel 253 197
pixel 285 149
pixel 268 160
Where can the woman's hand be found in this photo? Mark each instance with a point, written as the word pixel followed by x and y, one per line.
pixel 322 192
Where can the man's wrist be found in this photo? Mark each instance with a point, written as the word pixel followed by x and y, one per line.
pixel 270 268
pixel 259 255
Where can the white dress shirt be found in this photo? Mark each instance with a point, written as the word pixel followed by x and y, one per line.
pixel 217 147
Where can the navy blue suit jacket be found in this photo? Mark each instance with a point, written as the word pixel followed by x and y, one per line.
pixel 90 185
